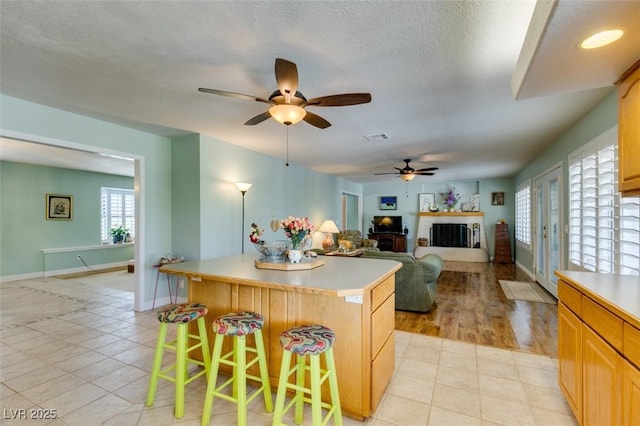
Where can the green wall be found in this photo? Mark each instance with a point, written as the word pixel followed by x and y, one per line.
pixel 25 231
pixel 599 119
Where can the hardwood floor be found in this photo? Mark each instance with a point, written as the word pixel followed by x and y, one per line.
pixel 470 306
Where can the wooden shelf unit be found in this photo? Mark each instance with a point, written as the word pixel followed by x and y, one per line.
pixel 390 241
pixel 502 252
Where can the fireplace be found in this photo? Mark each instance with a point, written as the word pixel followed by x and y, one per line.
pixel 450 235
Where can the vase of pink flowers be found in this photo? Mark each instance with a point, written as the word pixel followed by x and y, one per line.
pixel 296 229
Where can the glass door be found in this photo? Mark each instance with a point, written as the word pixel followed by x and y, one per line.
pixel 548 228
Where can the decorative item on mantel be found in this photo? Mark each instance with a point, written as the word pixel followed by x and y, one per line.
pixel 450 198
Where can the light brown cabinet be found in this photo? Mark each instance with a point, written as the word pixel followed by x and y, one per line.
pixel 502 252
pixel 599 359
pixel 570 358
pixel 629 132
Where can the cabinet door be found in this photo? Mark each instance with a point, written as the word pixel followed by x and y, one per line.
pixel 601 394
pixel 630 394
pixel 570 358
pixel 629 134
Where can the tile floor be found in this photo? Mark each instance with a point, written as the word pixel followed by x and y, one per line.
pixel 77 347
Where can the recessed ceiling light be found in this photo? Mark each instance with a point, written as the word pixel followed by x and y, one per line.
pixel 601 39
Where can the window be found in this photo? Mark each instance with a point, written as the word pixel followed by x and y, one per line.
pixel 523 215
pixel 117 207
pixel 604 228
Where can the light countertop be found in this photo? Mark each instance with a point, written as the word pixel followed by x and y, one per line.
pixel 339 276
pixel 618 293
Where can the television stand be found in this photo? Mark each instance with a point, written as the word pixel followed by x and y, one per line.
pixel 390 241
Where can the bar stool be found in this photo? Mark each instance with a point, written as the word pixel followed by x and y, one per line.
pixel 311 340
pixel 238 325
pixel 181 315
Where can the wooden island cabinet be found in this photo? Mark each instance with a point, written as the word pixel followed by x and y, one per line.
pixel 599 346
pixel 354 297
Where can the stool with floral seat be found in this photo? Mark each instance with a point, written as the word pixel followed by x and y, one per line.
pixel 181 315
pixel 308 341
pixel 238 325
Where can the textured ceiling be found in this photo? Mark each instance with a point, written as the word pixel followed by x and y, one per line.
pixel 440 74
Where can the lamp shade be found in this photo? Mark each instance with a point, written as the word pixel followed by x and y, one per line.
pixel 287 114
pixel 328 227
pixel 407 176
pixel 243 187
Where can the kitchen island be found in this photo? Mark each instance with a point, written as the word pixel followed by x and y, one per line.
pixel 354 297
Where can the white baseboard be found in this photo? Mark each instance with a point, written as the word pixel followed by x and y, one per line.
pixel 526 271
pixel 57 272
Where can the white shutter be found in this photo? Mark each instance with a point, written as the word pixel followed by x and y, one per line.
pixel 604 234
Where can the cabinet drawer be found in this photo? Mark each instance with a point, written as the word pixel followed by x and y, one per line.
pixel 571 297
pixel 632 344
pixel 607 325
pixel 382 324
pixel 382 291
pixel 382 369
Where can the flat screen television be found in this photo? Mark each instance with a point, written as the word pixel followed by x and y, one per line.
pixel 387 224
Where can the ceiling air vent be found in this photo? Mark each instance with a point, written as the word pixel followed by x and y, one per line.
pixel 377 138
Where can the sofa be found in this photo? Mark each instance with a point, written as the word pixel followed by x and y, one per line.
pixel 416 281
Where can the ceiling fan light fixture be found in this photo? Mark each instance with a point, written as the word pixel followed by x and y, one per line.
pixel 287 114
pixel 601 38
pixel 408 176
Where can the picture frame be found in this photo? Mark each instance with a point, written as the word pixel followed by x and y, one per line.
pixel 425 201
pixel 497 198
pixel 59 207
pixel 474 200
pixel 389 203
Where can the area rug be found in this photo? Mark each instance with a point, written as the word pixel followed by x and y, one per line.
pixel 530 292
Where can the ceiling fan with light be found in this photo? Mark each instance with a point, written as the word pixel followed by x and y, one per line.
pixel 409 173
pixel 288 104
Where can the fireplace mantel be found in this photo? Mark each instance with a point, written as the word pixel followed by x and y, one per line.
pixel 451 214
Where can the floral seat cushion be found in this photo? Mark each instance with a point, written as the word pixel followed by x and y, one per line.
pixel 184 312
pixel 238 323
pixel 307 339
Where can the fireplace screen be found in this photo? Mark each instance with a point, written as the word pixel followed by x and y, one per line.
pixel 450 235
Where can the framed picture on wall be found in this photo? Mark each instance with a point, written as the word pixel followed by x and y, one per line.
pixel 497 198
pixel 425 201
pixel 388 203
pixel 474 202
pixel 59 207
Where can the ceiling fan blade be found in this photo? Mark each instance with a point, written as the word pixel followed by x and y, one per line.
pixel 287 77
pixel 316 120
pixel 379 174
pixel 428 169
pixel 424 173
pixel 232 94
pixel 344 99
pixel 258 119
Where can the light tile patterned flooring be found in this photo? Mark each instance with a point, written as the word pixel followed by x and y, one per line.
pixel 90 362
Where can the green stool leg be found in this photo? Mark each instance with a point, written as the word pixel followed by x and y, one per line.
pixel 211 381
pixel 181 368
pixel 264 373
pixel 204 340
pixel 282 388
pixel 241 378
pixel 316 400
pixel 301 363
pixel 157 363
pixel 333 386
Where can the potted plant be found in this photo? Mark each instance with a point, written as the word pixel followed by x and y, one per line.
pixel 118 234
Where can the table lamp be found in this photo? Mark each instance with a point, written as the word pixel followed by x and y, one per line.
pixel 328 228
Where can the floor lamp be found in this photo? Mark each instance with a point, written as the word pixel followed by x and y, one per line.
pixel 243 187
